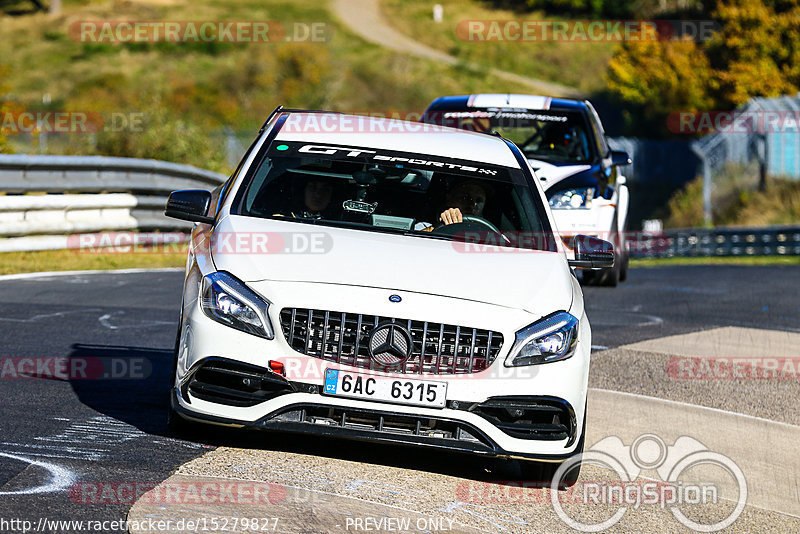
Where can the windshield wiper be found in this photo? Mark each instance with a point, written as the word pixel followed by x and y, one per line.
pixel 430 235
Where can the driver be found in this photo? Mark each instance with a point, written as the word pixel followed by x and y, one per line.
pixel 466 198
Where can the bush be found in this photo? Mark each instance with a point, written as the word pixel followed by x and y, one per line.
pixel 164 137
pixel 686 206
pixel 304 75
pixel 573 8
pixel 736 200
pixel 5 107
pixel 755 53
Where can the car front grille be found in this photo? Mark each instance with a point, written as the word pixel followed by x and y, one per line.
pixel 343 338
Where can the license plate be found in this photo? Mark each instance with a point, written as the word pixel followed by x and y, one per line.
pixel 394 390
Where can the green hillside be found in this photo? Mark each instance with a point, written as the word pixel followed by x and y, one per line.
pixel 575 64
pixel 189 92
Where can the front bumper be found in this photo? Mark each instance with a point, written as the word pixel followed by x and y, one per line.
pixel 461 426
pixel 451 429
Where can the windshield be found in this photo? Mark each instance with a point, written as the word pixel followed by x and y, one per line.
pixel 554 136
pixel 385 191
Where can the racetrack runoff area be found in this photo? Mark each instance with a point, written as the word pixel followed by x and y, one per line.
pixel 325 491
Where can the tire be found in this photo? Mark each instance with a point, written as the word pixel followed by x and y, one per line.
pixel 623 273
pixel 175 422
pixel 603 277
pixel 611 277
pixel 543 472
pixel 179 425
pixel 586 278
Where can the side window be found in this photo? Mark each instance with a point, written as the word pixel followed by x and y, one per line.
pixel 599 134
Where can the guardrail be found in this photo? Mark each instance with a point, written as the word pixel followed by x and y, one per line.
pixel 718 242
pixel 47 198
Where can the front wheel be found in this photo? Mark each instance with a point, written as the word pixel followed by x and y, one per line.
pixel 543 472
pixel 623 273
pixel 175 422
pixel 602 277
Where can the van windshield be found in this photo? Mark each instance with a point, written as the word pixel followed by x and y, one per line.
pixel 385 191
pixel 554 136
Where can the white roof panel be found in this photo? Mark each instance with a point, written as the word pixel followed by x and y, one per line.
pixel 509 101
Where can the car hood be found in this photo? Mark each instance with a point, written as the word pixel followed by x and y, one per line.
pixel 534 281
pixel 556 177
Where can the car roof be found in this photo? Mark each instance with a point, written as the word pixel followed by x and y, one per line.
pixel 498 100
pixel 397 135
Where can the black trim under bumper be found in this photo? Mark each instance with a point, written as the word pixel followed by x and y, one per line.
pixel 482 445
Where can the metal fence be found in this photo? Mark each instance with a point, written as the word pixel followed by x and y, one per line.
pixel 718 242
pixel 670 162
pixel 771 137
pixel 47 198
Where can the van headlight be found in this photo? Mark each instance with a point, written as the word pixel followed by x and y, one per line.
pixel 572 199
pixel 226 300
pixel 548 340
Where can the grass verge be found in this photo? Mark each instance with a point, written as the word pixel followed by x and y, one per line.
pixel 733 260
pixel 71 260
pixel 576 64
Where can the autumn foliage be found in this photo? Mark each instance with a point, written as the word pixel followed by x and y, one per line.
pixel 756 52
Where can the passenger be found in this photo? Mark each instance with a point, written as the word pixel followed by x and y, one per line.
pixel 317 195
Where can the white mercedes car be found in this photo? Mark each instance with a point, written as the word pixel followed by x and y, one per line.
pixel 566 146
pixel 360 278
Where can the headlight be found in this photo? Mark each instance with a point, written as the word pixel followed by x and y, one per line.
pixel 571 199
pixel 228 301
pixel 548 340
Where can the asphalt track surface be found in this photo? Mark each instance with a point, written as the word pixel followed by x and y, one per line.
pixel 61 434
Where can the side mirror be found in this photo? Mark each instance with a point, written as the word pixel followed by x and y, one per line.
pixel 592 253
pixel 189 205
pixel 618 157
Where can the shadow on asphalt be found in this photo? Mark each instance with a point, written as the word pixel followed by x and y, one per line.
pixel 135 391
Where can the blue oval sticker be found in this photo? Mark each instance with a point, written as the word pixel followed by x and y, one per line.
pixel 395 298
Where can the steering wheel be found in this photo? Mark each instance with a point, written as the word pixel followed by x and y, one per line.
pixel 468 222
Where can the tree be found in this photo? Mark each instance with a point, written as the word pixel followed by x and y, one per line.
pixel 652 79
pixel 756 52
